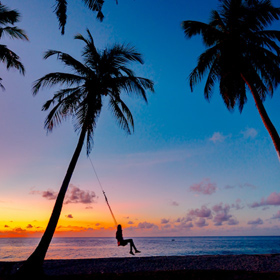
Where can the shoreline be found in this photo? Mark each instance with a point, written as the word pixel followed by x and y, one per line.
pixel 269 263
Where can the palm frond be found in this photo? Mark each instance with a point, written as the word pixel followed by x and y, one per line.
pixel 213 76
pixel 14 33
pixel 261 14
pixel 89 51
pixel 135 85
pixel 68 60
pixel 210 34
pixel 1 85
pixel 11 59
pixel 96 6
pixel 60 11
pixel 123 54
pixel 56 78
pixel 63 107
pixel 122 115
pixel 8 16
pixel 205 62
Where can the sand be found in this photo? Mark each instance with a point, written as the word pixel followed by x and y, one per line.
pixel 179 267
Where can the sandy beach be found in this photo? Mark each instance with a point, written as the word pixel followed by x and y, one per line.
pixel 193 267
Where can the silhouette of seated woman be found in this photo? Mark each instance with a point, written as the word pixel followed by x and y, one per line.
pixel 124 242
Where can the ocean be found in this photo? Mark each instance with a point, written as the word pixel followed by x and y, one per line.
pixel 17 249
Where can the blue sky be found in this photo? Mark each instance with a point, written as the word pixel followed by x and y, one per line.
pixel 191 167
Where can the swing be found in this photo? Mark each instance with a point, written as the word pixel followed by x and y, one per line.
pixel 121 241
pixel 106 199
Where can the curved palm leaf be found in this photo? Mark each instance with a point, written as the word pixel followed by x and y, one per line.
pixel 13 32
pixel 56 78
pixel 8 16
pixel 61 11
pixel 7 56
pixel 10 59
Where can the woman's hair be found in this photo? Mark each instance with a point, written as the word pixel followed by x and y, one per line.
pixel 119 227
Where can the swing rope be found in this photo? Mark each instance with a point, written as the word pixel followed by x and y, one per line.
pixel 106 199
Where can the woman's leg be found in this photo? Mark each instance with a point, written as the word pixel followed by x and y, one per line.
pixel 132 246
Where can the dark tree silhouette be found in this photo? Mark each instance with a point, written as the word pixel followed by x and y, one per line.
pixel 7 20
pixel 61 10
pixel 102 75
pixel 241 54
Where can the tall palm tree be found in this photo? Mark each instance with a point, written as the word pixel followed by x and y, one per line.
pixel 61 10
pixel 241 54
pixel 7 20
pixel 102 75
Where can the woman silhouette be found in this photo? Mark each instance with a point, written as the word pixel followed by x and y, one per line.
pixel 124 242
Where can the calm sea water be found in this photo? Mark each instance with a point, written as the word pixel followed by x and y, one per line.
pixel 16 249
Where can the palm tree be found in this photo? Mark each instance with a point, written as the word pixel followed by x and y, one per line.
pixel 7 20
pixel 102 75
pixel 61 10
pixel 241 54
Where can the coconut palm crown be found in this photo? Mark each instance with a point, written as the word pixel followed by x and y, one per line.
pixel 241 54
pixel 102 75
pixel 7 20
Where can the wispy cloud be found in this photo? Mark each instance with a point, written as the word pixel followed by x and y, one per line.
pixel 147 225
pixel 174 203
pixel 250 133
pixel 218 137
pixel 242 186
pixel 256 222
pixel 277 215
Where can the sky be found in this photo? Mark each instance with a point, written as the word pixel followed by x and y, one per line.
pixel 191 168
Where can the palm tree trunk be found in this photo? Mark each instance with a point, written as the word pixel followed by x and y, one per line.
pixel 265 118
pixel 34 263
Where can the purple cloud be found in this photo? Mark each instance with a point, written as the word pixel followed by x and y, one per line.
pixel 146 225
pixel 174 203
pixel 222 214
pixel 204 187
pixel 232 222
pixel 76 195
pixel 69 216
pixel 273 199
pixel 277 215
pixel 50 195
pixel 237 205
pixel 201 223
pixel 164 221
pixel 184 225
pixel 204 212
pixel 256 222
